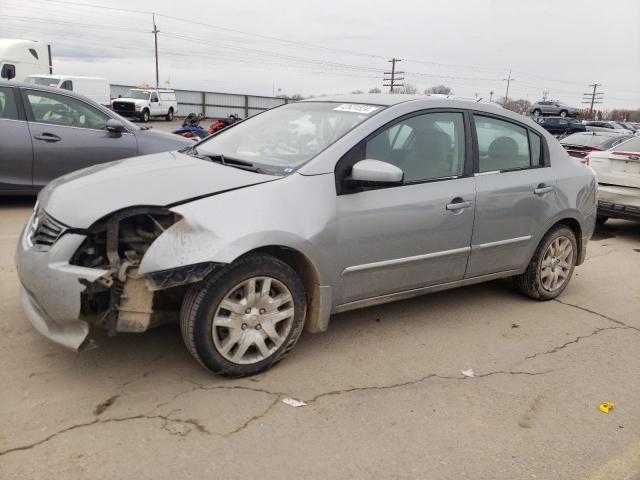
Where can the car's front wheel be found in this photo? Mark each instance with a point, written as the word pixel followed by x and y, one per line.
pixel 536 113
pixel 245 317
pixel 551 266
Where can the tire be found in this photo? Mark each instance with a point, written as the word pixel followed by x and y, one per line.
pixel 532 283
pixel 563 113
pixel 145 116
pixel 209 343
pixel 169 116
pixel 600 219
pixel 537 113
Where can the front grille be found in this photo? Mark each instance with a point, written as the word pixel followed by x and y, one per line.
pixel 45 231
pixel 123 106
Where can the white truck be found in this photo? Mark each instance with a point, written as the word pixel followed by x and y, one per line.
pixel 144 103
pixel 94 88
pixel 19 58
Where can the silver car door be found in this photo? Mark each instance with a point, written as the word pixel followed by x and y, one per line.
pixel 16 152
pixel 414 235
pixel 516 196
pixel 69 134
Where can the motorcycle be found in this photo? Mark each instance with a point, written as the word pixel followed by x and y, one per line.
pixel 191 126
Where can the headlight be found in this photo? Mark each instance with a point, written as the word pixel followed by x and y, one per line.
pixel 138 108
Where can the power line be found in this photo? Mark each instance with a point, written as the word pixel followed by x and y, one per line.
pixel 593 97
pixel 393 79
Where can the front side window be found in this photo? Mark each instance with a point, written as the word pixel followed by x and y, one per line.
pixel 154 97
pixel 66 111
pixel 284 138
pixel 501 145
pixel 424 147
pixel 8 107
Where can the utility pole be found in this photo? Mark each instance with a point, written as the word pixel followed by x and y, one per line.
pixel 393 79
pixel 593 97
pixel 508 80
pixel 155 35
pixel 491 95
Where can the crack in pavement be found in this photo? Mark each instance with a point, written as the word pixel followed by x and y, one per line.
pixel 575 340
pixel 167 420
pixel 601 315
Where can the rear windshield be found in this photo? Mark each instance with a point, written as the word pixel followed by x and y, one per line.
pixel 631 145
pixel 43 81
pixel 587 140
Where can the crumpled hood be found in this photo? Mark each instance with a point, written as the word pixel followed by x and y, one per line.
pixel 80 198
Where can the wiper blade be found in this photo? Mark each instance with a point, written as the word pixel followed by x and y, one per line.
pixel 231 162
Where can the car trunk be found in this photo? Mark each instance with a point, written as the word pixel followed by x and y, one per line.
pixel 617 168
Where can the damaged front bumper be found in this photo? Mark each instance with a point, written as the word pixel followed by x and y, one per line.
pixel 51 288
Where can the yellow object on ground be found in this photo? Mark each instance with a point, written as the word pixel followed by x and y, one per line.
pixel 606 406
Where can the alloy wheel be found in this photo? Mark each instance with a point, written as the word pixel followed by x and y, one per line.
pixel 253 320
pixel 557 263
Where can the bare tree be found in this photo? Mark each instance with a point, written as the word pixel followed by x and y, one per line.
pixel 440 89
pixel 357 91
pixel 407 88
pixel 375 90
pixel 520 106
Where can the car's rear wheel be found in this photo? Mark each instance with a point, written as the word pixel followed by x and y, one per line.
pixel 551 266
pixel 169 116
pixel 145 116
pixel 563 113
pixel 245 317
pixel 536 113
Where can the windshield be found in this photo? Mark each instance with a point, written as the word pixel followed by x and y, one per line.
pixel 137 94
pixel 631 145
pixel 43 81
pixel 282 139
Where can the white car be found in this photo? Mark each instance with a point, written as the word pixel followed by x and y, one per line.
pixel 618 172
pixel 144 103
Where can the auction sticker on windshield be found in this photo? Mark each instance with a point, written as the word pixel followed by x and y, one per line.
pixel 352 107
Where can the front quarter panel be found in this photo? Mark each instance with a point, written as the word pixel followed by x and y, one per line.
pixel 296 212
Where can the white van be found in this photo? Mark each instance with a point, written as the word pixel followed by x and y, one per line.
pixel 19 58
pixel 95 88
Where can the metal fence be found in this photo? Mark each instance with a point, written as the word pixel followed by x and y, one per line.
pixel 214 104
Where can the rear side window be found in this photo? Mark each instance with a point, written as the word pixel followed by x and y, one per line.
pixel 536 149
pixel 501 145
pixel 8 107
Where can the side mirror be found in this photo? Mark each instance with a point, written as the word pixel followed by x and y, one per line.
pixel 115 126
pixel 8 71
pixel 376 172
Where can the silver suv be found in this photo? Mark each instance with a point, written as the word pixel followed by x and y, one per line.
pixel 553 108
pixel 305 210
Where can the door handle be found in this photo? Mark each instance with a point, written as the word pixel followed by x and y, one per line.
pixel 47 137
pixel 458 205
pixel 542 189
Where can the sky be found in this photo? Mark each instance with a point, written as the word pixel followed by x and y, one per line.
pixel 326 47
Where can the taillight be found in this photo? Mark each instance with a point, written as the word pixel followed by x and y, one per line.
pixel 585 160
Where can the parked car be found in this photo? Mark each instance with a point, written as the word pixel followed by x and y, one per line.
pixel 606 126
pixel 618 173
pixel 560 125
pixel 308 209
pixel 579 145
pixel 628 126
pixel 144 103
pixel 47 132
pixel 94 88
pixel 553 107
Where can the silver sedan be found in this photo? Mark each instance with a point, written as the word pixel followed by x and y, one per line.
pixel 305 210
